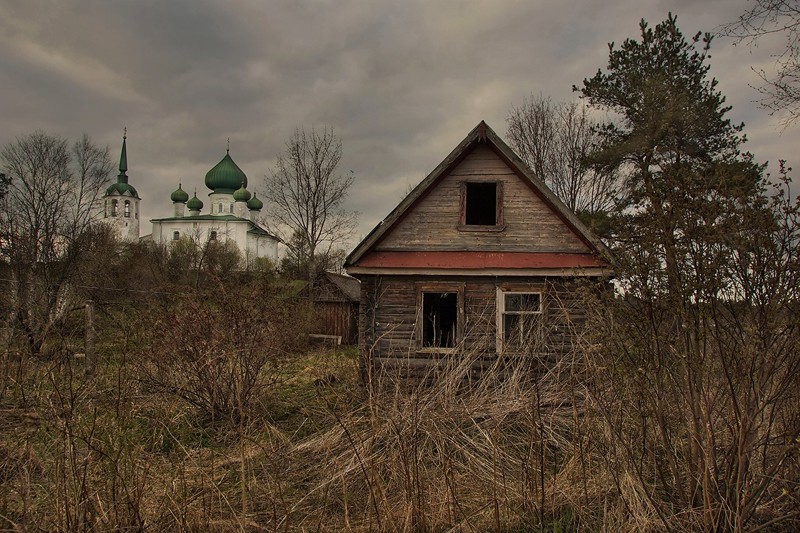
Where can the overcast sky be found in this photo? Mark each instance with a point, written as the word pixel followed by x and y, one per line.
pixel 401 82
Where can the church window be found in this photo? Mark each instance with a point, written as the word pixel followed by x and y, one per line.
pixel 212 236
pixel 176 235
pixel 113 208
pixel 231 208
pixel 127 209
pixel 220 209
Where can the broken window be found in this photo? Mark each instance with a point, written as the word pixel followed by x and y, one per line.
pixel 519 315
pixel 439 319
pixel 481 204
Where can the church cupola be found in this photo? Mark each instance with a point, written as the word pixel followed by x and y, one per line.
pixel 226 176
pixel 254 204
pixel 195 205
pixel 179 198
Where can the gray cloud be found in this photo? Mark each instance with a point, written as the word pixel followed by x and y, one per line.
pixel 401 82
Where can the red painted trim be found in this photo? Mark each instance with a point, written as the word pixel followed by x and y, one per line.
pixel 478 260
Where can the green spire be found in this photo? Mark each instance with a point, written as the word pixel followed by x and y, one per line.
pixel 122 177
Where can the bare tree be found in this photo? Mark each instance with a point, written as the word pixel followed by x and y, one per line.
pixel 306 196
pixel 44 221
pixel 554 139
pixel 780 91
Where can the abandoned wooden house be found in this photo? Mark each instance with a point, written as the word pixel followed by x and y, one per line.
pixel 481 257
pixel 335 299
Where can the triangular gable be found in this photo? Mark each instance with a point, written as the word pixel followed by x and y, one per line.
pixel 480 135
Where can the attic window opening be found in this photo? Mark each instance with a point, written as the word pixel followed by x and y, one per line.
pixel 439 319
pixel 481 204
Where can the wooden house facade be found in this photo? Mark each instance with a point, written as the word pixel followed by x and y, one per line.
pixel 480 257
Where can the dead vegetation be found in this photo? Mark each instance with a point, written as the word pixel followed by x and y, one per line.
pixel 587 443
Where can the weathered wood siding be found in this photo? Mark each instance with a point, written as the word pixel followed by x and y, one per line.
pixel 337 318
pixel 388 320
pixel 530 225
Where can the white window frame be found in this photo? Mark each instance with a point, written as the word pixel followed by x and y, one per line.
pixel 502 292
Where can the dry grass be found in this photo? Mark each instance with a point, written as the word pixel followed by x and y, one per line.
pixel 515 451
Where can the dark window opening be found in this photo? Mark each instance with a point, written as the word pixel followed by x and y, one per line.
pixel 481 204
pixel 213 236
pixel 439 319
pixel 113 208
pixel 176 235
pixel 127 209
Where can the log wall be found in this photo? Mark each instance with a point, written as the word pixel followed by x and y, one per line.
pixel 389 337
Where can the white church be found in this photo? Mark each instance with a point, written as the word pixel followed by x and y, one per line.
pixel 231 214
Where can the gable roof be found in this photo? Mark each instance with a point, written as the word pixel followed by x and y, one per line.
pixel 482 133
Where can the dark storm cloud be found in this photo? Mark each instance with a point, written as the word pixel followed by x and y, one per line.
pixel 401 82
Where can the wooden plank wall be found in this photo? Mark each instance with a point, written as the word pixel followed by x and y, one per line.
pixel 337 318
pixel 387 334
pixel 531 226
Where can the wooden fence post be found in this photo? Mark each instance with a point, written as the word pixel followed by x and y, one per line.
pixel 90 335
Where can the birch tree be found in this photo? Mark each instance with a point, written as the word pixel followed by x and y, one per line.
pixel 45 218
pixel 306 196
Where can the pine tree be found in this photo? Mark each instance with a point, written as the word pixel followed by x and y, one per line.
pixel 681 156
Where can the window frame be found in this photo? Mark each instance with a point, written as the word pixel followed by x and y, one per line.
pixel 437 288
pixel 127 209
pixel 176 235
pixel 499 224
pixel 212 235
pixel 500 305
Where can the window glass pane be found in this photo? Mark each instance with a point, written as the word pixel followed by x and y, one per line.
pixel 511 329
pixel 439 319
pixel 530 302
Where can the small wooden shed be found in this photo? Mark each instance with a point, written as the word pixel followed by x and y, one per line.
pixel 480 256
pixel 335 298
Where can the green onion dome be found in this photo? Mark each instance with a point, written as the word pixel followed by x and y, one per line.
pixel 195 204
pixel 226 176
pixel 241 194
pixel 179 196
pixel 254 204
